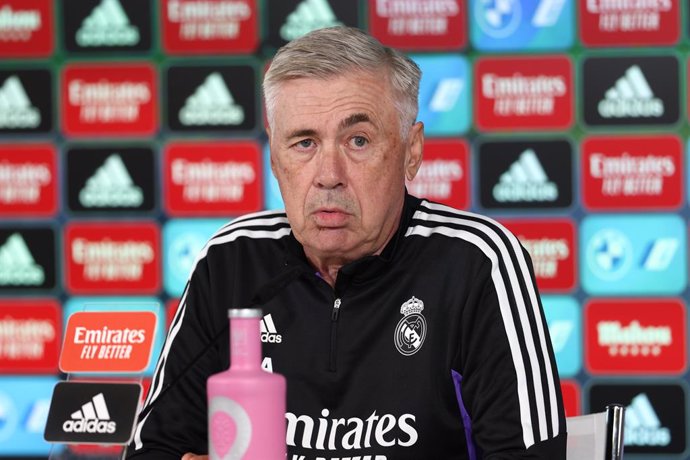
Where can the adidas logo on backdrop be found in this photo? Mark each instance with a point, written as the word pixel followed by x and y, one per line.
pixel 631 96
pixel 309 15
pixel 642 425
pixel 211 104
pixel 107 25
pixel 525 180
pixel 111 186
pixel 93 417
pixel 16 110
pixel 269 334
pixel 17 266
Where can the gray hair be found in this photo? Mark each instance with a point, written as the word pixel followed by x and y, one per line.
pixel 329 52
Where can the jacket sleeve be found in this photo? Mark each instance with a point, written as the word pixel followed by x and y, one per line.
pixel 173 420
pixel 507 382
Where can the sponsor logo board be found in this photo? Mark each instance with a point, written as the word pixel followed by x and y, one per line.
pixel 107 99
pixel 225 180
pixel 445 173
pixel 108 342
pixel 648 23
pixel 633 254
pixel 98 26
pixel 523 93
pixel 289 19
pixel 636 336
pixel 551 246
pixel 131 304
pixel 444 94
pixel 24 405
pixel 571 397
pixel 563 317
pixel 111 179
pixel 632 172
pixel 419 24
pixel 525 174
pixel 631 90
pixel 26 101
pixel 183 240
pixel 272 197
pixel 211 98
pixel 28 180
pixel 518 25
pixel 112 257
pixel 26 28
pixel 207 26
pixel 92 412
pixel 655 415
pixel 29 336
pixel 27 259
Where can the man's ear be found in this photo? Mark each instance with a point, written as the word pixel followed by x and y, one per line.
pixel 415 150
pixel 270 151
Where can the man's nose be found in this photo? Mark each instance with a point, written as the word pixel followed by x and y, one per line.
pixel 330 168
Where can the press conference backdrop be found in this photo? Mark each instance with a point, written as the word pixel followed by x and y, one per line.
pixel 130 130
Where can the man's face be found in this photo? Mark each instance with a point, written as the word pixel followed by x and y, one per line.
pixel 341 163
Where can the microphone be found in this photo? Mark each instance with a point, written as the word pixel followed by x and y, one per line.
pixel 265 293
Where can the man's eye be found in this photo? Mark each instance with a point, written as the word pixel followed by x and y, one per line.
pixel 359 141
pixel 305 143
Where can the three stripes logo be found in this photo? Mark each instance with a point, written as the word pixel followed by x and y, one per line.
pixel 641 90
pixel 93 417
pixel 309 15
pixel 631 96
pixel 17 266
pixel 642 425
pixel 269 334
pixel 211 104
pixel 525 180
pixel 107 25
pixel 111 186
pixel 16 110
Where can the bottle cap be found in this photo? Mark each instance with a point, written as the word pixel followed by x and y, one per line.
pixel 244 313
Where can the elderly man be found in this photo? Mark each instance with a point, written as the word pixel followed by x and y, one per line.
pixel 409 330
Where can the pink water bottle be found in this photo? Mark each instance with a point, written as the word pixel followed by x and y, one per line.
pixel 246 404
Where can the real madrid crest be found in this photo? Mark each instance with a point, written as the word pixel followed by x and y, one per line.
pixel 411 329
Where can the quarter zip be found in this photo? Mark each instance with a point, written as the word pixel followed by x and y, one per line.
pixel 335 314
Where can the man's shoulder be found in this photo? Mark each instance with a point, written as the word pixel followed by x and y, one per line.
pixel 249 229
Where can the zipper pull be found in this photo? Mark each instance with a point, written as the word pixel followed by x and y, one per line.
pixel 336 310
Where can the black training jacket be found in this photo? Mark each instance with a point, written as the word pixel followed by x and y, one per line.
pixel 436 349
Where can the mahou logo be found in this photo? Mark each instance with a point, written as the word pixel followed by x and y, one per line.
pixel 207 26
pixel 419 24
pixel 444 174
pixel 112 257
pixel 635 336
pixel 224 179
pixel 551 245
pixel 29 336
pixel 106 99
pixel 524 93
pixel 629 23
pixel 632 172
pixel 28 182
pixel 26 28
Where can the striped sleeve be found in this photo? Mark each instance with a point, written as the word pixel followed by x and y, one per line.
pixel 531 359
pixel 173 417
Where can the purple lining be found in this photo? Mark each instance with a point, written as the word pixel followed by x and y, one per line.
pixel 466 420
